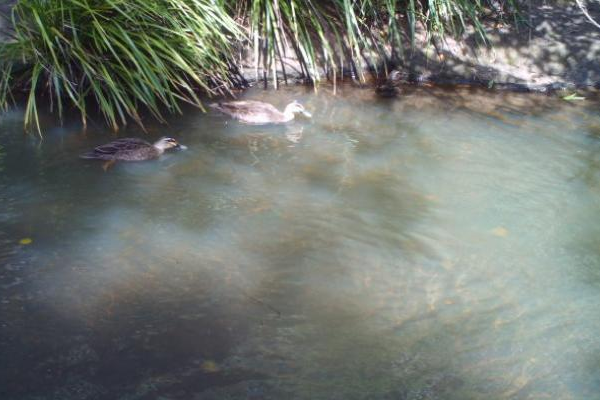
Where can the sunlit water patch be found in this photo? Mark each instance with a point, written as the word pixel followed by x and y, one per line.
pixel 442 245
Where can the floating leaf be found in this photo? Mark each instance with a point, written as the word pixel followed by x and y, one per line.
pixel 573 97
pixel 500 231
pixel 25 241
pixel 447 264
pixel 209 366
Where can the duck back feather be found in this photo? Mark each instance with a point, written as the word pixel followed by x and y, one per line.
pixel 126 149
pixel 251 112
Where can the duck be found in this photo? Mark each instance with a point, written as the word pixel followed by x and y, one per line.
pixel 389 88
pixel 260 113
pixel 131 149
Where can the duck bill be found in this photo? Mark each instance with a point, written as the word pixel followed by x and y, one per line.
pixel 306 114
pixel 181 147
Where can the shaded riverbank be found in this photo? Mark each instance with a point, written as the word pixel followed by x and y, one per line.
pixel 553 46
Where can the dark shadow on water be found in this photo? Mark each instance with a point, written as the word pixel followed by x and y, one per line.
pixel 138 348
pixel 152 332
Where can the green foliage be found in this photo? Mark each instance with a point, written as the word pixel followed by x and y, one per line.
pixel 126 55
pixel 121 54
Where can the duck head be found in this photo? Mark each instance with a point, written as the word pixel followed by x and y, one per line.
pixel 167 143
pixel 296 108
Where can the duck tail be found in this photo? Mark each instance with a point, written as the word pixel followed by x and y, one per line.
pixel 90 155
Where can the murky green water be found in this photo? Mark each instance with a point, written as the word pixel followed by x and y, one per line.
pixel 444 245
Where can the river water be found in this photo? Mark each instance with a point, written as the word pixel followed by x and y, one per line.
pixel 441 245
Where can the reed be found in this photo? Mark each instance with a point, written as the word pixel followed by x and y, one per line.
pixel 116 55
pixel 352 35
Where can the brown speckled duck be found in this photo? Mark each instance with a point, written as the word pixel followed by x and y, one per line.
pixel 389 88
pixel 131 149
pixel 258 112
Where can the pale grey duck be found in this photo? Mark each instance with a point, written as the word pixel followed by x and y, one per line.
pixel 258 112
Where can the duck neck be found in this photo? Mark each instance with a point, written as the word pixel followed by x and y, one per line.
pixel 159 148
pixel 288 114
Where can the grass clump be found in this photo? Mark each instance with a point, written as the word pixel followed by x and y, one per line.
pixel 119 55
